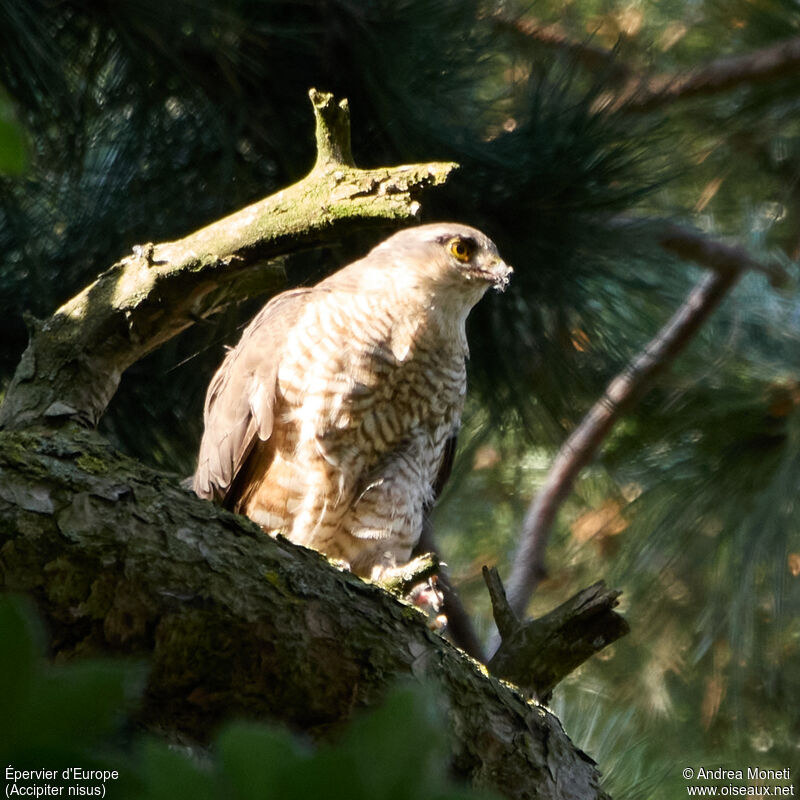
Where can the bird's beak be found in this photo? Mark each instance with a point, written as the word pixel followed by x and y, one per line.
pixel 501 273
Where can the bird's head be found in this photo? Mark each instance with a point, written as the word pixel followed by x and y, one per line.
pixel 450 257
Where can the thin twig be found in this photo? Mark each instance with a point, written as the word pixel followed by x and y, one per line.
pixel 692 245
pixel 767 64
pixel 459 625
pixel 460 629
pixel 580 447
pixel 584 441
pixel 553 37
pixel 641 93
pixel 505 619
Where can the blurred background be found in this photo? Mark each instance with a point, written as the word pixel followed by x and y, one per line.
pixel 135 121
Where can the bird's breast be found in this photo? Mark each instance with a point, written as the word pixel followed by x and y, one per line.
pixel 359 377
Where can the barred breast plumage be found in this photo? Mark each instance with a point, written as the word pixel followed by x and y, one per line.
pixel 330 420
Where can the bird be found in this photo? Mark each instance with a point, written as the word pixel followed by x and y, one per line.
pixel 333 421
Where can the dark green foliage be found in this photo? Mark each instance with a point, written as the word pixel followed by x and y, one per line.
pixel 58 718
pixel 13 144
pixel 61 717
pixel 370 760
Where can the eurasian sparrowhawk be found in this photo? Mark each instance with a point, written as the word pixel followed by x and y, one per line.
pixel 333 419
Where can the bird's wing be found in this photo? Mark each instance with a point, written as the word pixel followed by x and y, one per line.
pixel 241 396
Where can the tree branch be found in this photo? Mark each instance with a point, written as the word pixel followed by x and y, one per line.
pixel 641 93
pixel 720 75
pixel 232 622
pixel 690 244
pixel 552 37
pixel 75 359
pixel 504 617
pixel 539 653
pixel 460 629
pixel 623 391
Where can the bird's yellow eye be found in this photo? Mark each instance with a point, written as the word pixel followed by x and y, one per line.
pixel 460 249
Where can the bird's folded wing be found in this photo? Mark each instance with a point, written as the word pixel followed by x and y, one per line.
pixel 241 397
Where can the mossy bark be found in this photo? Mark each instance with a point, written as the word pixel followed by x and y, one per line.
pixel 75 359
pixel 121 560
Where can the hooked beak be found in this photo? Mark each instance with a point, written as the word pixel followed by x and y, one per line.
pixel 501 274
pixel 496 273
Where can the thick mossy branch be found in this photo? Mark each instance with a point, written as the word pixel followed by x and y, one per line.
pixel 74 360
pixel 231 622
pixel 539 653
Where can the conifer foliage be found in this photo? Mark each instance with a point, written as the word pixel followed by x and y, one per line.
pixel 614 149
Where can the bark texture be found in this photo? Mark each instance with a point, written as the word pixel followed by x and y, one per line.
pixel 121 559
pixel 539 653
pixel 75 359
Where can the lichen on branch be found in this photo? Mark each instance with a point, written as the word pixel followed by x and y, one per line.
pixel 75 359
